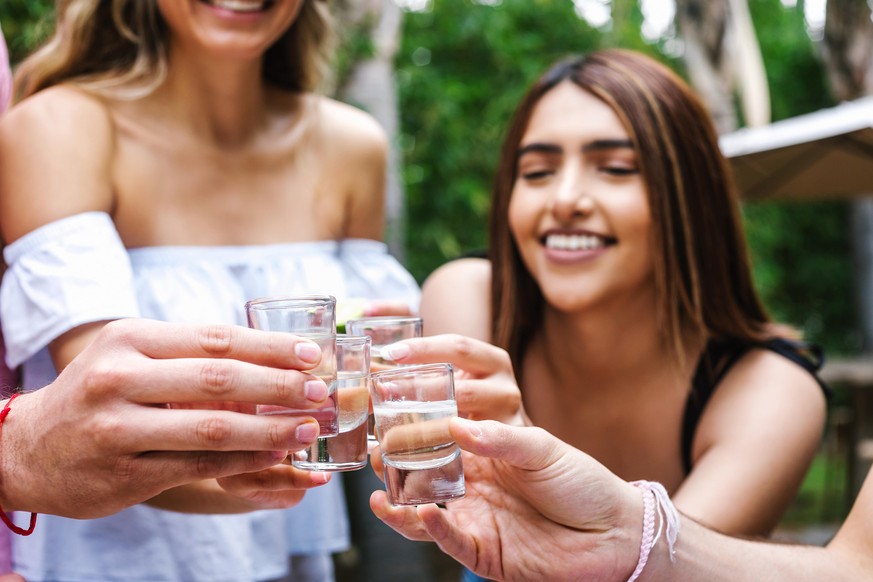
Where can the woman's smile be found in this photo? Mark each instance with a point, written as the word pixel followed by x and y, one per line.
pixel 240 6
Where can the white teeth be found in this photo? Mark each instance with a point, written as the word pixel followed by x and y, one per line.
pixel 239 5
pixel 574 242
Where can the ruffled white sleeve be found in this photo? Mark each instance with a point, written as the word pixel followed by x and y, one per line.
pixel 62 275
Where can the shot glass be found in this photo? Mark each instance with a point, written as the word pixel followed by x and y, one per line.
pixel 384 330
pixel 348 450
pixel 314 318
pixel 413 405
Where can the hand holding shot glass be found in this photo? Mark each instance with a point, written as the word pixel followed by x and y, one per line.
pixel 421 461
pixel 314 318
pixel 348 450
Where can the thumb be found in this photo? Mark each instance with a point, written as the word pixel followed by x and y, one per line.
pixel 528 448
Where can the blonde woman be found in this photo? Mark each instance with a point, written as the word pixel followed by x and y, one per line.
pixel 171 159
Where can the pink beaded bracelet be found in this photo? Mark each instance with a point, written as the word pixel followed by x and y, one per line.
pixel 668 524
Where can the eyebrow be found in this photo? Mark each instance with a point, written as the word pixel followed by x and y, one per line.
pixel 593 146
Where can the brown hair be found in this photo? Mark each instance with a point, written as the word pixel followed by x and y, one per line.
pixel 122 45
pixel 703 280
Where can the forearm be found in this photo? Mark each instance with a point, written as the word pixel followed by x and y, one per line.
pixel 702 554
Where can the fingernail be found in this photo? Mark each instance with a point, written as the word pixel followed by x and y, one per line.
pixel 395 352
pixel 315 390
pixel 307 433
pixel 308 352
pixel 319 477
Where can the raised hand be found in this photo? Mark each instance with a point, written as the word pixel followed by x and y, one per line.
pixel 103 436
pixel 529 496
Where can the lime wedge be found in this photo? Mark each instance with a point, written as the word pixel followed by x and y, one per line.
pixel 347 309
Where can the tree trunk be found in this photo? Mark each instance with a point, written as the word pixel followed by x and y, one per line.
pixel 723 56
pixel 369 84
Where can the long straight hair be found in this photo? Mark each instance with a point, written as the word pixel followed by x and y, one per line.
pixel 122 46
pixel 702 274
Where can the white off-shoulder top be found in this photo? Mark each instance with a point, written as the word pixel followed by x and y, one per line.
pixel 75 271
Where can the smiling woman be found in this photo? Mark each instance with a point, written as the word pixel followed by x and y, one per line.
pixel 618 281
pixel 170 159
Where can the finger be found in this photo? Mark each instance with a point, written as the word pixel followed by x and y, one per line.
pixel 402 519
pixel 161 340
pixel 210 380
pixel 527 448
pixel 376 461
pixel 473 356
pixel 159 429
pixel 281 477
pixel 169 469
pixel 487 399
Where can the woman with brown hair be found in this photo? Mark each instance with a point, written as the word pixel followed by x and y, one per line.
pixel 618 281
pixel 171 159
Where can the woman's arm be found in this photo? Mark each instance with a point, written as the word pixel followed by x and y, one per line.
pixel 538 509
pixel 753 446
pixel 55 159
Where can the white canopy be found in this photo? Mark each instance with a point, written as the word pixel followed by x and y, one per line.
pixel 826 154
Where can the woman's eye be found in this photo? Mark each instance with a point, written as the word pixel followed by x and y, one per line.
pixel 620 170
pixel 534 175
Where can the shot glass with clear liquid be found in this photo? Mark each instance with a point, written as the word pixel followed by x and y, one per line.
pixel 312 317
pixel 384 330
pixel 347 451
pixel 421 461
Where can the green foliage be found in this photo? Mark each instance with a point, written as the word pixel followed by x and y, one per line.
pixel 26 24
pixel 462 68
pixel 801 250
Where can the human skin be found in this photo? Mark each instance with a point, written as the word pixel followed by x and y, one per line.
pixel 536 508
pixel 596 372
pixel 213 157
pixel 102 436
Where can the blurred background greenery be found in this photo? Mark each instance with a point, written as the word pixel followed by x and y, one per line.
pixel 462 65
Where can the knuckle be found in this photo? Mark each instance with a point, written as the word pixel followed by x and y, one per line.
pixel 118 331
pixel 216 340
pixel 104 377
pixel 285 385
pixel 276 436
pixel 213 432
pixel 217 378
pixel 205 464
pixel 463 345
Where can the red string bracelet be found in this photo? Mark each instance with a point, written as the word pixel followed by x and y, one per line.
pixel 20 531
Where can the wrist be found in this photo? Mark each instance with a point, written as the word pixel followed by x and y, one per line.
pixel 9 478
pixel 659 532
pixel 629 530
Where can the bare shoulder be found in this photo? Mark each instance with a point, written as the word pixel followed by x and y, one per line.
pixel 353 129
pixel 456 298
pixel 56 149
pixel 770 395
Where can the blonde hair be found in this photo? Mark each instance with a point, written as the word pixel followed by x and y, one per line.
pixel 121 46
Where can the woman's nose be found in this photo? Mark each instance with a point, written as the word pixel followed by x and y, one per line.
pixel 570 198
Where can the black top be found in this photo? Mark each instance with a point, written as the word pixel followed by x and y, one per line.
pixel 718 358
